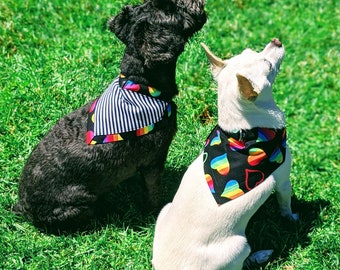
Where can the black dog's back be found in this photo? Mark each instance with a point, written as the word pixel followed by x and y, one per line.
pixel 64 177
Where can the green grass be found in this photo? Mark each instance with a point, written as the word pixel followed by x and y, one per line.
pixel 56 55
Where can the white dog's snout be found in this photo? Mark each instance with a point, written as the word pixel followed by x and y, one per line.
pixel 274 52
pixel 277 42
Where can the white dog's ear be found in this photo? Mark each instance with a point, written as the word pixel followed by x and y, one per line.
pixel 247 88
pixel 217 64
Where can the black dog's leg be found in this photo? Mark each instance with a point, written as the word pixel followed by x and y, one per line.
pixel 152 178
pixel 69 209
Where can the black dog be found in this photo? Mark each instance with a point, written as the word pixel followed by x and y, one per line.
pixel 74 165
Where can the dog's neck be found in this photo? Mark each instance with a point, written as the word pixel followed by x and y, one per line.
pixel 162 76
pixel 236 113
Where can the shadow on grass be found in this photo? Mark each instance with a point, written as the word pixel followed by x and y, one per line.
pixel 268 230
pixel 126 205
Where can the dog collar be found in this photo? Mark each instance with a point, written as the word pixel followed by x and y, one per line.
pixel 125 110
pixel 236 162
pixel 140 88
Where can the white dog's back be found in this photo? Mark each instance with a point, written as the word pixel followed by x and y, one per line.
pixel 215 232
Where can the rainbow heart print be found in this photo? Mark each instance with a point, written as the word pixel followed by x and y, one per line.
pixel 232 190
pixel 236 162
pixel 221 164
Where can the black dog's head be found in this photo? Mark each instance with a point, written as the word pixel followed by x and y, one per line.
pixel 155 33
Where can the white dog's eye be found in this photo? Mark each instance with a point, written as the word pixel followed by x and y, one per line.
pixel 270 64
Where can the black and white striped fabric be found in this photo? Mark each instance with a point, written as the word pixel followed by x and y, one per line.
pixel 119 111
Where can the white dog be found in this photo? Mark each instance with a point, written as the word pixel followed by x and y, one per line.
pixel 247 149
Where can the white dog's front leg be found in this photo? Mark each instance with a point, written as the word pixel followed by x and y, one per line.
pixel 284 188
pixel 283 195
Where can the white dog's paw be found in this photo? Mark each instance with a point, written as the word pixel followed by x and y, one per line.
pixel 289 216
pixel 257 259
pixel 295 217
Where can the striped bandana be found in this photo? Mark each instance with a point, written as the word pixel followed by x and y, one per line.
pixel 125 110
pixel 236 162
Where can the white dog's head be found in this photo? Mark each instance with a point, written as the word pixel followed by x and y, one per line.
pixel 245 84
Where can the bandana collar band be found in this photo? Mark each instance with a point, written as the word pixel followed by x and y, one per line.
pixel 140 88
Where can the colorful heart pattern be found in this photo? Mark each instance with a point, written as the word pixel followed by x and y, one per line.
pixel 233 167
pixel 154 92
pixel 232 190
pixel 284 139
pixel 216 140
pixel 276 156
pixel 221 164
pixel 235 145
pixel 256 155
pixel 210 183
pixel 253 178
pixel 265 134
pixel 129 85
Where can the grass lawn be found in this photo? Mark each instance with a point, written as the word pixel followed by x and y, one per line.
pixel 56 55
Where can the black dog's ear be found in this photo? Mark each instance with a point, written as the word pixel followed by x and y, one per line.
pixel 120 24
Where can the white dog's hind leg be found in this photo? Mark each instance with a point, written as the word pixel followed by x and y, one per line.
pixel 159 241
pixel 229 254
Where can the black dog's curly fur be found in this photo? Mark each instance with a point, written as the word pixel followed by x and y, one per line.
pixel 64 178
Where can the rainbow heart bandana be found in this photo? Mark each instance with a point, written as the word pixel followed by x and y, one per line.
pixel 125 110
pixel 236 162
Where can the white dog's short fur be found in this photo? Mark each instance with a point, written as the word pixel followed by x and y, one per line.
pixel 193 232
